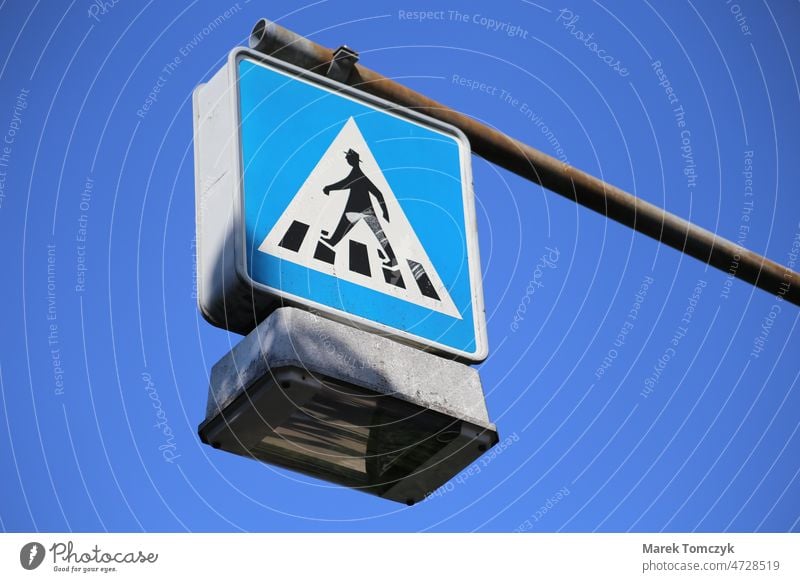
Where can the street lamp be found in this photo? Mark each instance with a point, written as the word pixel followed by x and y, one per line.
pixel 395 429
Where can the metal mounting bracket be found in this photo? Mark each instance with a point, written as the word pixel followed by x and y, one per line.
pixel 342 63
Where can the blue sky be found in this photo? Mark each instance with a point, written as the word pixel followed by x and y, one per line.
pixel 633 388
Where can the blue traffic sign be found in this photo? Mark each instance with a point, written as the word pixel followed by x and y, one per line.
pixel 356 208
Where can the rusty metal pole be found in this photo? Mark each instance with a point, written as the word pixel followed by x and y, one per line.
pixel 531 164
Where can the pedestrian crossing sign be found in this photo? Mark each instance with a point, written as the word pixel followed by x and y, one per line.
pixel 343 203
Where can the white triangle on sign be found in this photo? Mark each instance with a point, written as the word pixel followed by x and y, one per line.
pixel 362 252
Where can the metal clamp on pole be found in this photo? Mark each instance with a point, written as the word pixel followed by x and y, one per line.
pixel 549 172
pixel 342 64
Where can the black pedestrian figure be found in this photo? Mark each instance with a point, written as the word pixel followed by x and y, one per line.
pixel 359 207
